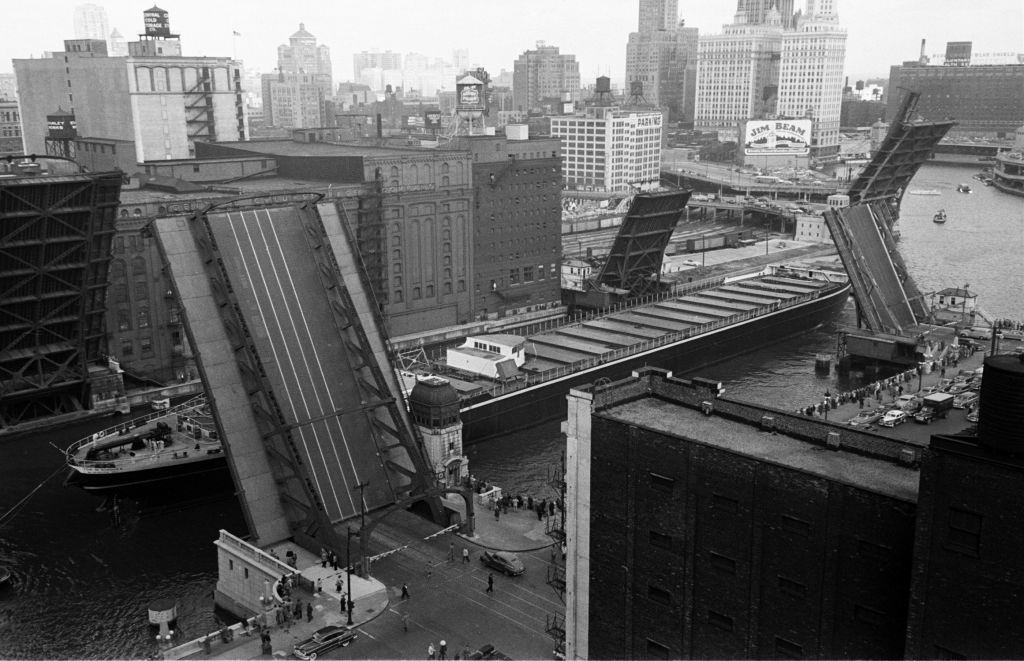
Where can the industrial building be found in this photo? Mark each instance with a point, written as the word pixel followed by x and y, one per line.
pixel 609 147
pixel 985 100
pixel 155 104
pixel 741 531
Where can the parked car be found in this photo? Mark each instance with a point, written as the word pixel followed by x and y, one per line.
pixel 972 415
pixel 323 640
pixel 690 262
pixel 864 418
pixel 925 415
pixel 893 418
pixel 965 400
pixel 503 561
pixel 908 403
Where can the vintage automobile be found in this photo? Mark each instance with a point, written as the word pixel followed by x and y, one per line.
pixel 893 418
pixel 324 640
pixel 507 563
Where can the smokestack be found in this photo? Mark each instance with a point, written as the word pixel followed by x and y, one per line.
pixel 380 127
pixel 923 59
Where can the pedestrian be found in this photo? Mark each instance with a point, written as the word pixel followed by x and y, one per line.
pixel 540 512
pixel 351 604
pixel 405 590
pixel 490 582
pixel 405 622
pixel 342 602
pixel 529 503
pixel 309 612
pixel 323 557
pixel 465 555
pixel 442 649
pixel 497 511
pixel 451 552
pixel 430 651
pixel 551 508
pixel 337 585
pixel 334 560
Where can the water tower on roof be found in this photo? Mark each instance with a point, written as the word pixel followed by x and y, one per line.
pixel 157 39
pixel 61 132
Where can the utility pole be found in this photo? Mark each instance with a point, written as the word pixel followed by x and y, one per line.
pixel 362 505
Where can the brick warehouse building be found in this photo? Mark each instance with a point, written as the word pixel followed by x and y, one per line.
pixel 739 531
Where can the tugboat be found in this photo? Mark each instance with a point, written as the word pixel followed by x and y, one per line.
pixel 939 217
pixel 170 443
pixel 963 188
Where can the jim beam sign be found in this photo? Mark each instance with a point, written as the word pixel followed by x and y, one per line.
pixel 769 137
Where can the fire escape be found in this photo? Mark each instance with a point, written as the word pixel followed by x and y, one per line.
pixel 555 623
pixel 199 122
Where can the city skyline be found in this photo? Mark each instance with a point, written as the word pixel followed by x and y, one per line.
pixel 596 32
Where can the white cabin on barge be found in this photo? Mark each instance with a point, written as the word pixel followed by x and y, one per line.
pixel 497 356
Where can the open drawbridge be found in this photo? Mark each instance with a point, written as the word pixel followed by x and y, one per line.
pixel 294 360
pixel 888 301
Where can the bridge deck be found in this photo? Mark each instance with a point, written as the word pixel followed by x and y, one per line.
pixel 288 314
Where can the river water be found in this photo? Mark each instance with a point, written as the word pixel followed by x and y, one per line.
pixel 81 584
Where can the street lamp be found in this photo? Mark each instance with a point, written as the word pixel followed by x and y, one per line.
pixel 348 573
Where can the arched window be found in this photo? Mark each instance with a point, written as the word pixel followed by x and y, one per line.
pixel 394 171
pixel 444 168
pixel 445 181
pixel 138 266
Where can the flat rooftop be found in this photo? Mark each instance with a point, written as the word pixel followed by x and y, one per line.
pixel 292 148
pixel 674 419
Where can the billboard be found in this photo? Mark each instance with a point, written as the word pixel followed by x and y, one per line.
pixel 432 119
pixel 769 137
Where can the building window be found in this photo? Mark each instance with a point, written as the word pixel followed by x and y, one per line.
pixel 430 291
pixel 416 293
pixel 397 297
pixel 662 483
pixel 127 348
pixel 964 534
pixel 121 293
pixel 788 648
pixel 146 345
pixel 246 570
pixel 144 318
pixel 660 540
pixel 124 321
pixel 141 290
pixel 723 622
pixel 231 564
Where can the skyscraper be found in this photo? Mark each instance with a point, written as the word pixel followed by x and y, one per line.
pixel 658 15
pixel 663 57
pixel 117 46
pixel 91 22
pixel 294 96
pixel 544 73
pixel 772 63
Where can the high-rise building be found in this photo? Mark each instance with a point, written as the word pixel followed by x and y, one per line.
pixel 91 22
pixel 658 15
pixel 770 63
pixel 374 60
pixel 294 96
pixel 608 148
pixel 117 45
pixel 544 75
pixel 10 127
pixel 662 56
pixel 155 103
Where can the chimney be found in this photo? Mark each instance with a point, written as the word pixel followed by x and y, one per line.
pixel 923 59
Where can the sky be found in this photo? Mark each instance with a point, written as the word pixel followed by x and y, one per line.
pixel 880 32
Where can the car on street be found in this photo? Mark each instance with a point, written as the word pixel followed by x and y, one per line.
pixel 864 418
pixel 893 418
pixel 965 400
pixel 909 403
pixel 503 561
pixel 323 640
pixel 690 262
pixel 925 415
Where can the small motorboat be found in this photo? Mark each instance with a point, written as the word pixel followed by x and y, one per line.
pixel 963 188
pixel 939 217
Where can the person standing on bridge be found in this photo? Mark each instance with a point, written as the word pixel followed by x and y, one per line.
pixel 405 590
pixel 465 555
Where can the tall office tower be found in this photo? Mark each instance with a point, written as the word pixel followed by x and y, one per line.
pixel 658 15
pixel 154 104
pixel 117 45
pixel 294 96
pixel 663 57
pixel 811 74
pixel 374 60
pixel 91 22
pixel 760 68
pixel 544 74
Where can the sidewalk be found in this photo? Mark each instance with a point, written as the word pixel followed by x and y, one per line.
pixel 370 598
pixel 516 531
